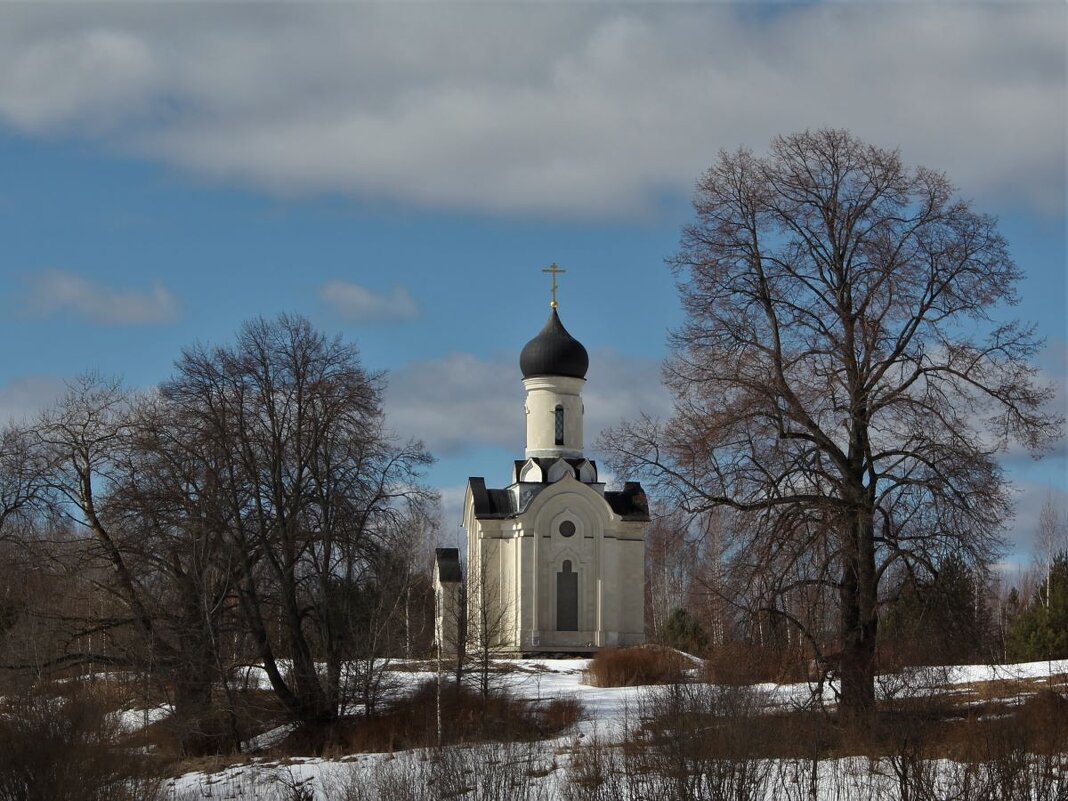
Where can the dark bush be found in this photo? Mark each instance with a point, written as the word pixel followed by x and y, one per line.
pixel 706 741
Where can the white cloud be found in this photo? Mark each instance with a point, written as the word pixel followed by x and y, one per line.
pixel 1022 532
pixel 84 77
pixel 22 398
pixel 594 110
pixel 458 402
pixel 359 304
pixel 450 534
pixel 463 401
pixel 55 292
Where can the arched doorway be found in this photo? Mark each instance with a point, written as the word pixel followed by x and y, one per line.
pixel 567 599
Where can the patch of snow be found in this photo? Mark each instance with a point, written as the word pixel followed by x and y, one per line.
pixel 268 738
pixel 131 720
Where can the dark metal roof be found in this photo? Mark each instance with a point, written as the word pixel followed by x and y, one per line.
pixel 631 503
pixel 554 352
pixel 490 503
pixel 448 560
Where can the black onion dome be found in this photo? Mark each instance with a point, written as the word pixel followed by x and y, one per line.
pixel 554 352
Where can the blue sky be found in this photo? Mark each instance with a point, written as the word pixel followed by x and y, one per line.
pixel 400 174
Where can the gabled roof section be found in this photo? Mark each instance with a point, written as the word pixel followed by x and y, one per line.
pixel 448 562
pixel 489 503
pixel 630 503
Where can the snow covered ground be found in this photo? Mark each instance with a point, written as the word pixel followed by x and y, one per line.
pixel 606 714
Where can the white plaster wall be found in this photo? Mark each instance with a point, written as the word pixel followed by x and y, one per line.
pixel 631 552
pixel 447 615
pixel 544 394
pixel 522 557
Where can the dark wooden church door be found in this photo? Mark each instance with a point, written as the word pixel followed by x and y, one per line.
pixel 566 599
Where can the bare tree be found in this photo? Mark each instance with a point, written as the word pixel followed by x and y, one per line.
pixel 375 607
pixel 293 426
pixel 118 472
pixel 21 470
pixel 83 438
pixel 21 493
pixel 670 564
pixel 1051 537
pixel 487 631
pixel 839 380
pixel 166 503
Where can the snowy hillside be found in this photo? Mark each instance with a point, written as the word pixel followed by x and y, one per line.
pixel 608 715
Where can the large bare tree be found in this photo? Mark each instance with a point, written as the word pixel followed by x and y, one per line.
pixel 255 503
pixel 311 487
pixel 843 380
pixel 118 472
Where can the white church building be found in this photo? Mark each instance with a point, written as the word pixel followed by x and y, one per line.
pixel 555 562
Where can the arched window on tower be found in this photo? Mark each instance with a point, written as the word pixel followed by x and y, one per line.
pixel 559 425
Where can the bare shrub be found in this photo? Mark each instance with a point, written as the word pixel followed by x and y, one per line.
pixel 63 748
pixel 485 772
pixel 1045 715
pixel 599 771
pixel 560 713
pixel 926 750
pixel 630 667
pixel 507 772
pixel 704 740
pixel 745 663
pixel 291 787
pixel 1023 754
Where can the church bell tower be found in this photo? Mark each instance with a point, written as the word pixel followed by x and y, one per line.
pixel 554 367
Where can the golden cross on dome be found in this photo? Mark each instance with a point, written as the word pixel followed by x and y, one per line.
pixel 555 271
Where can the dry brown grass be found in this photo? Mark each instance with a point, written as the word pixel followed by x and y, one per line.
pixel 411 722
pixel 631 667
pixel 739 664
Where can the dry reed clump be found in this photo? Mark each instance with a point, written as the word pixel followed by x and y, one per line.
pixel 639 665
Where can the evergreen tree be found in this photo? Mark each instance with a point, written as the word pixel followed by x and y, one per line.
pixel 685 633
pixel 1041 630
pixel 941 619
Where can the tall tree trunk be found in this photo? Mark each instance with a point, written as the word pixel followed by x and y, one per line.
pixel 198 729
pixel 315 708
pixel 859 620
